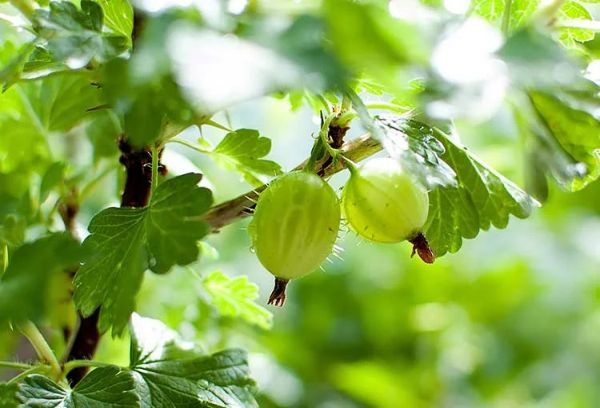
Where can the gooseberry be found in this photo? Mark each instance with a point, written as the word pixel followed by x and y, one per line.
pixel 383 203
pixel 294 227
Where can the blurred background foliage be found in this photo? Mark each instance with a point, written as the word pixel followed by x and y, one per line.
pixel 512 320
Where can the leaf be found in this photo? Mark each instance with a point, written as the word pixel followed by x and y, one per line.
pixel 235 297
pixel 12 230
pixel 491 10
pixel 103 131
pixel 146 108
pixel 31 111
pixel 415 145
pixel 102 388
pixel 529 52
pixel 24 288
pixel 243 150
pixel 483 198
pixel 573 121
pixel 521 12
pixel 8 395
pixel 118 16
pixel 164 379
pixel 124 242
pixel 366 37
pixel 51 178
pixel 573 10
pixel 75 36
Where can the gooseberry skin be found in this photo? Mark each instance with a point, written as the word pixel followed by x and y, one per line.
pixel 295 224
pixel 382 203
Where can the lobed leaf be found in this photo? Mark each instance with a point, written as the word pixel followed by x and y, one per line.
pixel 74 36
pixel 244 150
pixel 415 145
pixel 168 373
pixel 482 198
pixel 124 242
pixel 235 297
pixel 106 387
pixel 572 120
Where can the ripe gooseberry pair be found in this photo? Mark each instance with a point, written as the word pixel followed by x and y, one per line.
pixel 297 217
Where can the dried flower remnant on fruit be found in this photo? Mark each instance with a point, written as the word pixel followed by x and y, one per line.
pixel 421 247
pixel 277 297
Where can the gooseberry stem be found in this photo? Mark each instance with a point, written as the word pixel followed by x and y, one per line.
pixel 277 297
pixel 422 248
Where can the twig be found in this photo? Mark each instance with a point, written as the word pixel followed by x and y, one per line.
pixel 40 345
pixel 237 208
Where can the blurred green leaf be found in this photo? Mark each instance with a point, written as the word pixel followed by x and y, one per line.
pixel 118 16
pixel 165 380
pixel 74 36
pixel 366 37
pixel 573 10
pixel 572 118
pixel 123 242
pixel 235 297
pixel 243 150
pixel 12 230
pixel 8 395
pixel 103 387
pixel 491 10
pixel 520 13
pixel 30 111
pixel 24 288
pixel 530 51
pixel 52 177
pixel 148 107
pixel 103 131
pixel 483 198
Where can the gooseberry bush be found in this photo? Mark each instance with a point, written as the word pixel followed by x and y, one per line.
pixel 98 90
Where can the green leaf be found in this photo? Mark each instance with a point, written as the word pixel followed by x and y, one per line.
pixel 573 10
pixel 25 287
pixel 147 108
pixel 483 198
pixel 103 131
pixel 573 120
pixel 8 395
pixel 243 150
pixel 167 374
pixel 51 178
pixel 118 16
pixel 75 36
pixel 102 388
pixel 12 230
pixel 530 51
pixel 30 111
pixel 521 12
pixel 491 10
pixel 366 37
pixel 415 145
pixel 124 242
pixel 235 297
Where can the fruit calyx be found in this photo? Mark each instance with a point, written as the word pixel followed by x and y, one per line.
pixel 422 248
pixel 277 297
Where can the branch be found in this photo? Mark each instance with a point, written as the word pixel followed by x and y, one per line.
pixel 241 207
